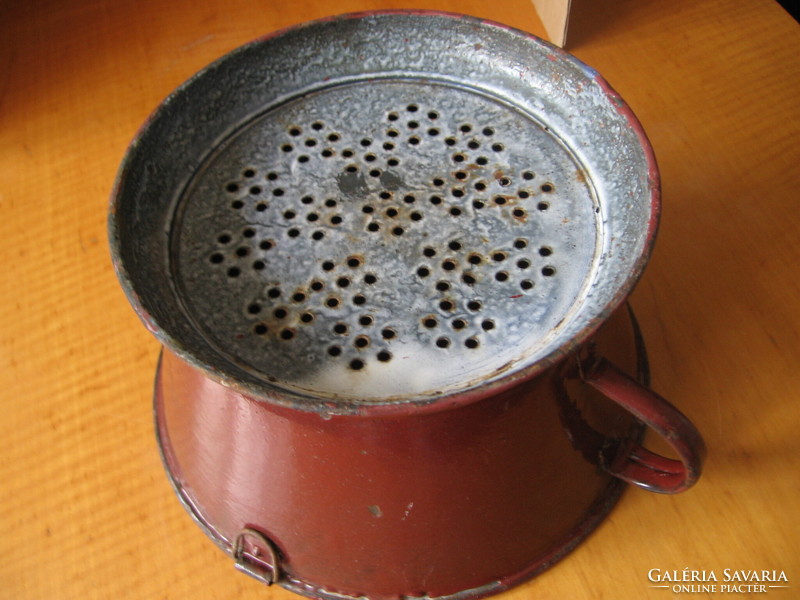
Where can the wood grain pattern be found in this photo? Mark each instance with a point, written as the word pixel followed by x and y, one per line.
pixel 85 509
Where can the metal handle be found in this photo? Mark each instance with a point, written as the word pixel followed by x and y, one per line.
pixel 636 464
pixel 250 562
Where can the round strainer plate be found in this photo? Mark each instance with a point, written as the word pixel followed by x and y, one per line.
pixel 384 238
pixel 384 208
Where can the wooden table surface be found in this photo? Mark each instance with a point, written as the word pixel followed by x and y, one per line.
pixel 85 508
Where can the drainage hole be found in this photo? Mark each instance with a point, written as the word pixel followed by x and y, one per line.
pixel 373 227
pixel 459 158
pixel 429 322
pixel 523 194
pixel 454 245
pixel 499 200
pixel 545 251
pixel 443 342
pixel 334 350
pixel 370 157
pixel 259 265
pixel 429 252
pixel 265 244
pixel 361 341
pixel 306 199
pixel 468 278
pixel 388 333
pixel 311 217
pixel 455 211
pixel 519 244
pixel 260 329
pixel 392 116
pixel 474 259
pixel 302 158
pixel 353 262
pixel 398 231
pixel 216 258
pixel 248 233
pixel 347 153
pixel 501 276
pixel 436 200
pixel 299 297
pixel 366 142
pixel 472 343
pixel 392 162
pixel 388 146
pixel 487 324
pixel 262 206
pixel 413 140
pixel 242 251
pixel 289 214
pixel 504 181
pixel 526 284
pixel 234 272
pixel 474 305
pixel 478 204
pixel 307 317
pixel 449 265
pixel 280 313
pixel 459 324
pixel 488 131
pixel 412 108
pixel 274 292
pixel 413 124
pixel 547 188
pixel 318 235
pixel 343 282
pixel 336 219
pixel 287 148
pixel 375 173
pixel 480 186
pixel 272 176
pixel 317 285
pixel 523 263
pixel 498 256
pixel 392 133
pixel 465 128
pixel 473 145
pixel 497 147
pixel 254 308
pixel 446 305
pixel 548 271
pixel 384 356
pixel 433 132
pixel 293 232
pixel 409 199
pixel 332 302
pixel 528 175
pixel 365 320
pixel 340 328
pixel 232 187
pixel 391 212
pixel 358 300
pixel 443 286
pixel 415 216
pixel 370 279
pixel 224 238
pixel 482 161
pixel 356 364
pixel 423 271
pixel 450 141
pixel 518 212
pixel 237 204
pixel 543 206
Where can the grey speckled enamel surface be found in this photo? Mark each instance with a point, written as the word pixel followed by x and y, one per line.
pixel 387 208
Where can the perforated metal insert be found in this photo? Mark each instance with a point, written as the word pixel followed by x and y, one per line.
pixel 384 238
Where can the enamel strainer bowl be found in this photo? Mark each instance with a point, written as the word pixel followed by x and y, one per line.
pixel 381 217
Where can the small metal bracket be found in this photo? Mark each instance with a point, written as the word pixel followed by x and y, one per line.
pixel 266 571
